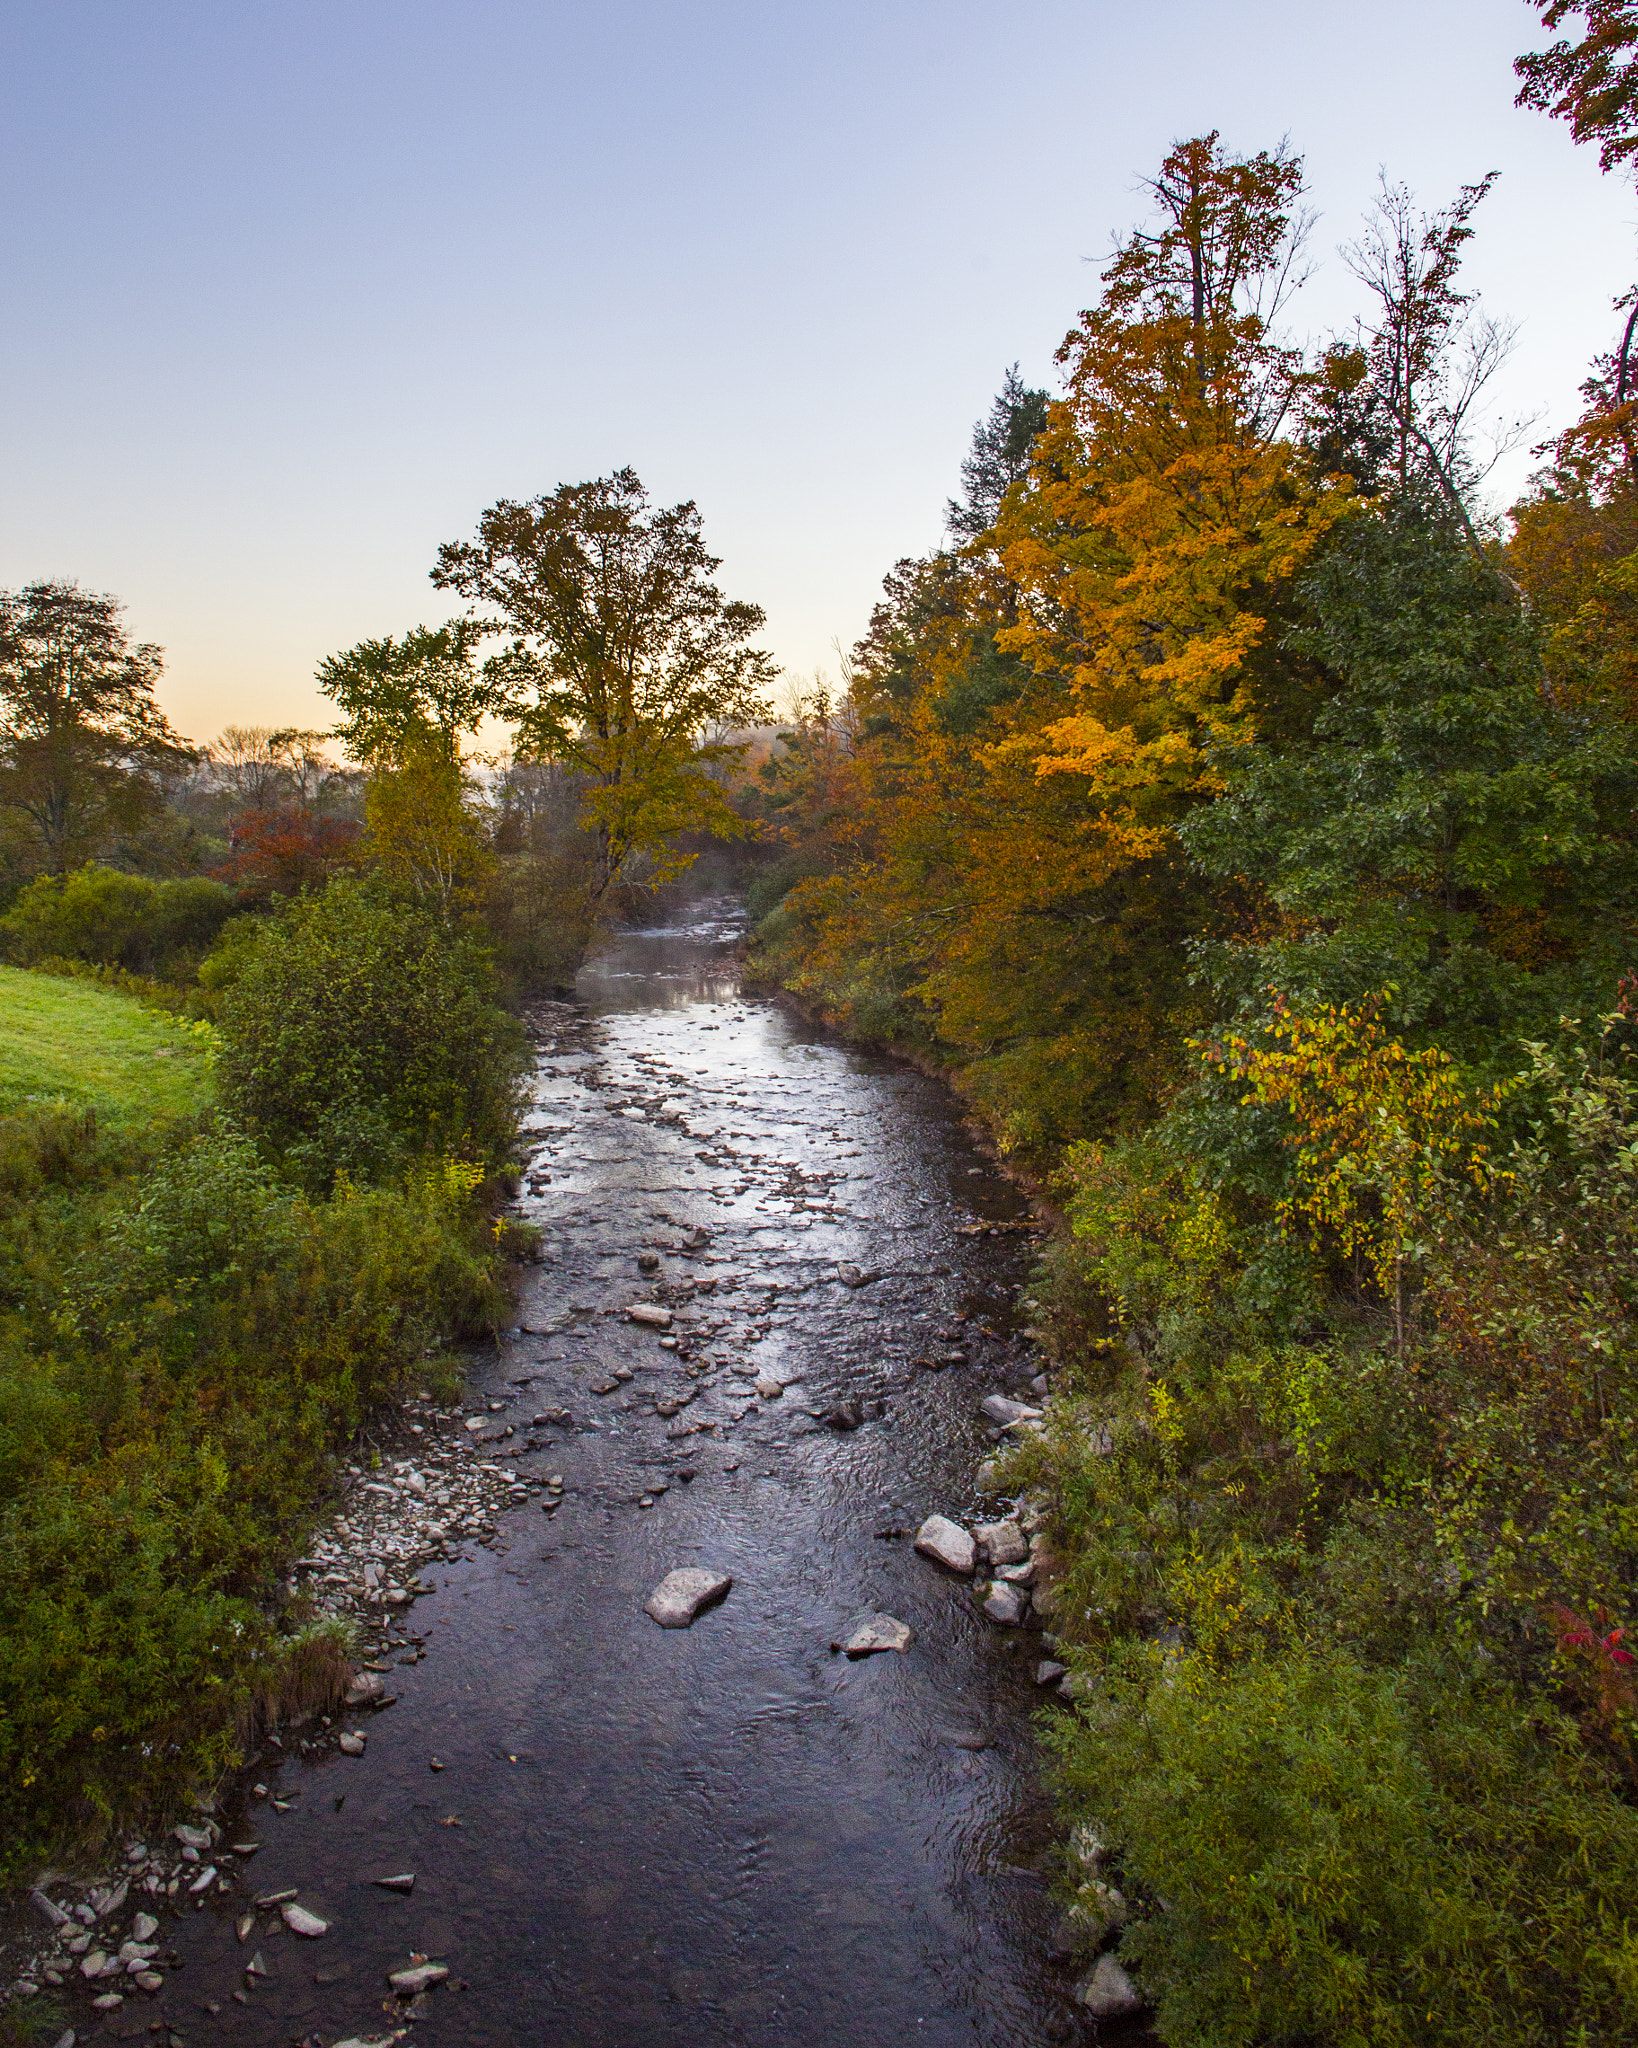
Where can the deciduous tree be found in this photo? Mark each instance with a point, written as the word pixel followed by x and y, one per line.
pixel 637 666
pixel 83 742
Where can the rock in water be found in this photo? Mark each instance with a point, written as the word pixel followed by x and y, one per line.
pixel 300 1921
pixel 651 1313
pixel 869 1632
pixel 365 1689
pixel 1001 1542
pixel 1006 1604
pixel 681 1595
pixel 351 1745
pixel 1109 1994
pixel 403 1882
pixel 1003 1409
pixel 418 1977
pixel 948 1544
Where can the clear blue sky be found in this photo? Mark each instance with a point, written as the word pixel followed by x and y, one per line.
pixel 294 291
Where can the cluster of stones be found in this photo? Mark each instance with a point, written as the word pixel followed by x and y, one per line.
pixel 92 1937
pixel 412 1511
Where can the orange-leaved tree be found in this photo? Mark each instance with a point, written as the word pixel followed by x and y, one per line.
pixel 1169 508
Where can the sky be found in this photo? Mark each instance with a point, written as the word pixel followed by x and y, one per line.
pixel 293 292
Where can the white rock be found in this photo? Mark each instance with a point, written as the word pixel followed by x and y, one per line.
pixel 1002 1409
pixel 869 1632
pixel 144 1927
pixel 948 1544
pixel 351 1744
pixel 1001 1542
pixel 91 1965
pixel 417 1978
pixel 300 1921
pixel 768 1387
pixel 150 1980
pixel 1109 1993
pixel 1006 1604
pixel 205 1879
pixel 366 1688
pixel 650 1313
pixel 681 1595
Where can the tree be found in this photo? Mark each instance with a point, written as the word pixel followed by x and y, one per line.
pixel 637 664
pixel 1592 84
pixel 999 457
pixel 398 694
pixel 1443 827
pixel 83 743
pixel 1432 353
pixel 1166 512
pixel 425 829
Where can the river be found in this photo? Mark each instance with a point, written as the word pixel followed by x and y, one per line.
pixel 727 1834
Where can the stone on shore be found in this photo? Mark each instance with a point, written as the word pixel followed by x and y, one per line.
pixel 300 1921
pixel 869 1632
pixel 366 1688
pixel 681 1595
pixel 351 1744
pixel 1006 1604
pixel 651 1313
pixel 948 1544
pixel 1002 1409
pixel 1109 1994
pixel 1001 1542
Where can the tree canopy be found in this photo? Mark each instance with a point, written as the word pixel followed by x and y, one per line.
pixel 83 742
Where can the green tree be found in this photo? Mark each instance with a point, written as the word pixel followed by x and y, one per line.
pixel 83 743
pixel 1445 827
pixel 395 694
pixel 638 666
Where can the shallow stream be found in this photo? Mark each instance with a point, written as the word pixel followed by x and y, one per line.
pixel 727 1834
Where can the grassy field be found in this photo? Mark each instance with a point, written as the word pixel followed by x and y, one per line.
pixel 71 1042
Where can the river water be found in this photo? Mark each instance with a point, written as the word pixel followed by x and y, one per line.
pixel 727 1834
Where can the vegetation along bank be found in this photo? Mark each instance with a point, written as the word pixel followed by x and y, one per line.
pixel 1247 826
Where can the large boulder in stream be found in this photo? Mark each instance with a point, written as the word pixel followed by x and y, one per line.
pixel 682 1594
pixel 948 1544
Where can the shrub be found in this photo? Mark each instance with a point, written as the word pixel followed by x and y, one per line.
pixel 111 919
pixel 362 1032
pixel 187 1349
pixel 1336 1854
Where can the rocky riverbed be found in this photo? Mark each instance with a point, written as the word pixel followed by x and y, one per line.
pixel 779 1324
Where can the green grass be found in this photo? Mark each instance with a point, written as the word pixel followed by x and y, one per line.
pixel 70 1042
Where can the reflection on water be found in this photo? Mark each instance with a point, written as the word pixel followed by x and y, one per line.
pixel 726 1834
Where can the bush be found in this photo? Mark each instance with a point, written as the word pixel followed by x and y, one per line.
pixel 179 1353
pixel 1357 1856
pixel 363 1032
pixel 111 919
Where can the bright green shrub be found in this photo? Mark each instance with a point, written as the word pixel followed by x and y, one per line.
pixel 111 919
pixel 364 1031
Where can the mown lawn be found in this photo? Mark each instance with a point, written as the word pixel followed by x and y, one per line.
pixel 69 1041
